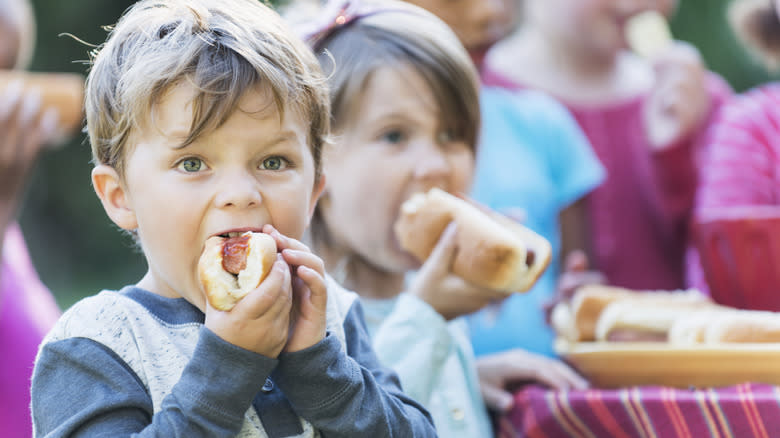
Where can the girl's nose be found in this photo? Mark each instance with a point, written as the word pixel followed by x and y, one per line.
pixel 431 162
pixel 238 189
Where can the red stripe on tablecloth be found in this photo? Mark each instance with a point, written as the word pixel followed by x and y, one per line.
pixel 746 410
pixel 532 428
pixel 668 396
pixel 749 405
pixel 701 400
pixel 632 414
pixel 714 400
pixel 599 409
pixel 636 397
pixel 559 415
pixel 578 422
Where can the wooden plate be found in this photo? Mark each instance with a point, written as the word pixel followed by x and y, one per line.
pixel 615 364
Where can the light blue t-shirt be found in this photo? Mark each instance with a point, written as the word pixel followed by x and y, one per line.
pixel 532 157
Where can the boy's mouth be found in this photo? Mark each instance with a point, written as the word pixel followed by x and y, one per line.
pixel 231 234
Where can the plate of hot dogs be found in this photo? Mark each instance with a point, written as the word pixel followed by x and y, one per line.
pixel 618 337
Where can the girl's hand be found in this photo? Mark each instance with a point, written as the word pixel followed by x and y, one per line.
pixel 309 292
pixel 261 320
pixel 679 101
pixel 500 373
pixel 24 130
pixel 448 294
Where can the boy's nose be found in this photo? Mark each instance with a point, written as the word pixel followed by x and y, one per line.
pixel 488 12
pixel 239 190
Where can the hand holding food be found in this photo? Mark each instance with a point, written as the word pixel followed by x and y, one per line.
pixel 61 91
pixel 231 267
pixel 449 295
pixel 308 318
pixel 506 257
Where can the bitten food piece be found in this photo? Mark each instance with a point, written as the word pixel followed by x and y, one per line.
pixel 648 33
pixel 63 91
pixel 231 267
pixel 504 256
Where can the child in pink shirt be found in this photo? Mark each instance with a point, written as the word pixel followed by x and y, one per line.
pixel 644 119
pixel 742 164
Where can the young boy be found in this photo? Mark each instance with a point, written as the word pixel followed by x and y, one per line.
pixel 206 118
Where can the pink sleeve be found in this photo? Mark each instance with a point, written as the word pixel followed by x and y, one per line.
pixel 738 163
pixel 19 282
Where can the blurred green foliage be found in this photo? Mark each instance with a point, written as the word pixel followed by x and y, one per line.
pixel 75 247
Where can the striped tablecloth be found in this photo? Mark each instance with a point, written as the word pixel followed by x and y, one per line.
pixel 741 411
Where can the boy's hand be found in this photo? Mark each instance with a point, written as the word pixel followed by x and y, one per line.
pixel 310 293
pixel 448 294
pixel 679 101
pixel 261 320
pixel 500 373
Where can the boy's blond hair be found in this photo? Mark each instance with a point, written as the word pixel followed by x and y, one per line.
pixel 222 47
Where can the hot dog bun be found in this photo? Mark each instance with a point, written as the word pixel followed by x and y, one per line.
pixel 223 289
pixel 728 325
pixel 586 306
pixel 63 91
pixel 500 256
pixel 649 318
pixel 598 310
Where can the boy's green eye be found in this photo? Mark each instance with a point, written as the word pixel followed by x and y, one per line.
pixel 394 136
pixel 191 165
pixel 274 163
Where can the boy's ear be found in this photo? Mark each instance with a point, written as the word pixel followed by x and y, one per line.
pixel 112 194
pixel 319 188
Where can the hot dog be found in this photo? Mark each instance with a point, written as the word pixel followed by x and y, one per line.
pixel 63 91
pixel 502 256
pixel 231 267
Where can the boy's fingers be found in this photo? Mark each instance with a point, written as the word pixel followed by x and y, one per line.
pixel 304 258
pixel 282 241
pixel 272 296
pixel 316 284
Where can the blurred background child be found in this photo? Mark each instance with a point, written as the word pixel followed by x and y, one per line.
pixel 27 309
pixel 533 164
pixel 645 119
pixel 406 117
pixel 742 163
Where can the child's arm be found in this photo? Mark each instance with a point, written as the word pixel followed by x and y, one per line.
pixel 677 115
pixel 24 131
pixel 82 388
pixel 348 393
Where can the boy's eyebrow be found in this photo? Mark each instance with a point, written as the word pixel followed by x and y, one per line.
pixel 283 137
